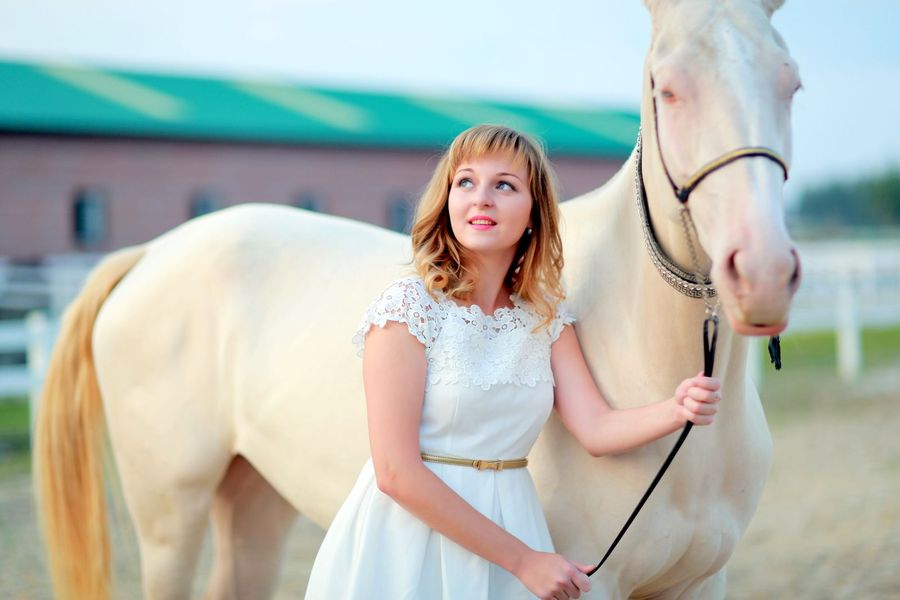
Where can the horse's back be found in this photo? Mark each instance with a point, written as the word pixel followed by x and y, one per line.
pixel 233 333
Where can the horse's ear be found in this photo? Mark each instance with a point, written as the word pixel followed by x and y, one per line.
pixel 772 5
pixel 651 5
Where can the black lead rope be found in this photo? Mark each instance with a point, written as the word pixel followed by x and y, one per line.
pixel 775 351
pixel 709 340
pixel 709 359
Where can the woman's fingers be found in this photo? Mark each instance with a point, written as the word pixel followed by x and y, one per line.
pixel 699 381
pixel 700 408
pixel 580 578
pixel 552 576
pixel 699 396
pixel 569 586
pixel 701 411
pixel 704 395
pixel 709 383
pixel 701 418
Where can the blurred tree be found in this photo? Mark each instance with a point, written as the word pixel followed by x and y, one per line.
pixel 868 202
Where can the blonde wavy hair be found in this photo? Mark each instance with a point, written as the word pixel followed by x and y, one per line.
pixel 445 265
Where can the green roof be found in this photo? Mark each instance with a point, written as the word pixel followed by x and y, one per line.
pixel 64 99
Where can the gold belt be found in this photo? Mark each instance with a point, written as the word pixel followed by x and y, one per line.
pixel 480 464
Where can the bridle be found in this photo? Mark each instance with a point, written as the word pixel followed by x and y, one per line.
pixel 702 283
pixel 683 192
pixel 697 286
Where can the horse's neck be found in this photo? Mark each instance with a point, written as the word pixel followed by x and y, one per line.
pixel 638 333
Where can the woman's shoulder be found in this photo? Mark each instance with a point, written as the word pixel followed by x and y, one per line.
pixel 408 291
pixel 407 282
pixel 405 300
pixel 564 316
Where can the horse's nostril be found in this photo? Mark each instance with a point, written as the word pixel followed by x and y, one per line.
pixel 731 268
pixel 795 276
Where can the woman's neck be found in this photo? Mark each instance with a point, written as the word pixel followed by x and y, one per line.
pixel 489 293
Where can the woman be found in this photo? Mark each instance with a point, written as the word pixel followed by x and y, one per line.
pixel 464 363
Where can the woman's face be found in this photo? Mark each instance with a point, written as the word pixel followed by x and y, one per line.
pixel 490 205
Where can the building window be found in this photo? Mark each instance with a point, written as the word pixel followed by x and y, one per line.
pixel 400 214
pixel 309 201
pixel 204 201
pixel 90 216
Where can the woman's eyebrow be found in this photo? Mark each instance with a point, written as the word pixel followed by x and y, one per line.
pixel 511 175
pixel 501 174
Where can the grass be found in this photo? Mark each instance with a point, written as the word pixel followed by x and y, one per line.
pixel 15 444
pixel 881 347
pixel 809 382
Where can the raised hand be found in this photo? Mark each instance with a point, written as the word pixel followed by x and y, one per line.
pixel 697 399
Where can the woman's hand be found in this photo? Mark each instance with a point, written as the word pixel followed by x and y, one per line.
pixel 552 576
pixel 697 399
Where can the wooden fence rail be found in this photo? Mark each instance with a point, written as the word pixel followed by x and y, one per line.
pixel 847 286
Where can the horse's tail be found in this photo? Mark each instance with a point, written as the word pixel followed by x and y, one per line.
pixel 68 444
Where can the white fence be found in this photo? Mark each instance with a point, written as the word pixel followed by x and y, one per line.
pixel 43 291
pixel 846 287
pixel 848 280
pixel 34 336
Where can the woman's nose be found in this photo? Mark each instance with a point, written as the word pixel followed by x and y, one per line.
pixel 483 197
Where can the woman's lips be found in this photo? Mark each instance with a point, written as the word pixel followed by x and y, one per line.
pixel 482 226
pixel 482 223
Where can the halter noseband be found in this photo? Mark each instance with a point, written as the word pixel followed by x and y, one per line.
pixel 683 192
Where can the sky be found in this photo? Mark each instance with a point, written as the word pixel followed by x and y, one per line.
pixel 566 52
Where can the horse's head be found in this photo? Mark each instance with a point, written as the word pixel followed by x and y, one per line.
pixel 723 79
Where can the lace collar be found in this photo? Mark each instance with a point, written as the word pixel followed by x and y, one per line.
pixel 475 312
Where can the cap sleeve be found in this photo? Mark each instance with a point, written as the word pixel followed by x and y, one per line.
pixel 564 316
pixel 405 301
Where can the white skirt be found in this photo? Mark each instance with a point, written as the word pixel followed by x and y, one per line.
pixel 375 549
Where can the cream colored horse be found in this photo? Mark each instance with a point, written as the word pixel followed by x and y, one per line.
pixel 221 352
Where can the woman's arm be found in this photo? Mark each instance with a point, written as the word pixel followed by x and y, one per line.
pixel 394 367
pixel 603 430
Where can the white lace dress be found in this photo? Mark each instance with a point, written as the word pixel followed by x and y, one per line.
pixel 488 392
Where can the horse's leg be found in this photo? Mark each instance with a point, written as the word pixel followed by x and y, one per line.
pixel 711 588
pixel 170 508
pixel 251 522
pixel 171 459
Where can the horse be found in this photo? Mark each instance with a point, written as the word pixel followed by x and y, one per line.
pixel 218 354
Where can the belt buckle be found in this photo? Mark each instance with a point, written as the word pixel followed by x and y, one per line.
pixel 481 465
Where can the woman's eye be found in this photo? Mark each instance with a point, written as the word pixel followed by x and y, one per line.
pixel 464 182
pixel 506 186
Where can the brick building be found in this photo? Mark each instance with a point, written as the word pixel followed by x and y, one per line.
pixel 92 159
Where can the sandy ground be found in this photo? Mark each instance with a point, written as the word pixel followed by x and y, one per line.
pixel 828 525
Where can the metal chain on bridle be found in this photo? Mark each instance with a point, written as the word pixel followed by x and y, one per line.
pixel 701 287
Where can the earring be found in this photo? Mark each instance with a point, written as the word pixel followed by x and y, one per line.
pixel 528 231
